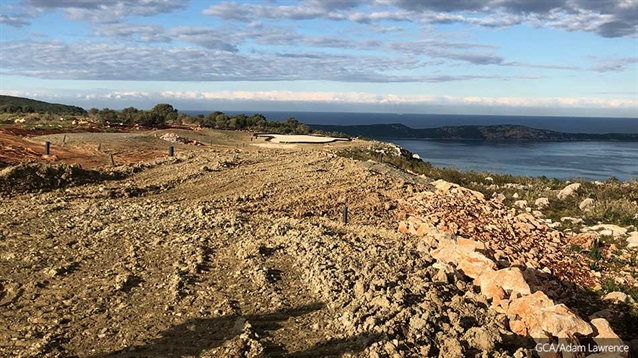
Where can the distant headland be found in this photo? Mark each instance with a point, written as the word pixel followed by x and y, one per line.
pixel 503 132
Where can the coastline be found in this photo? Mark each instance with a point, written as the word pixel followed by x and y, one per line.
pixel 563 160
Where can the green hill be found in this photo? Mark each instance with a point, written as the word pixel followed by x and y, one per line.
pixel 10 104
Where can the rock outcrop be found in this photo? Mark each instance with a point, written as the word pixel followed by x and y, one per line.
pixel 568 191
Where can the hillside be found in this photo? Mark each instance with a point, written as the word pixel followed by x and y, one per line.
pixel 496 132
pixel 237 248
pixel 10 104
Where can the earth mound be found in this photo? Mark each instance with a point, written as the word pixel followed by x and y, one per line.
pixel 29 177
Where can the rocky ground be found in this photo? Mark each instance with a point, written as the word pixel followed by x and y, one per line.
pixel 232 250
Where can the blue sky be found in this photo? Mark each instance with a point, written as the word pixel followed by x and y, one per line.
pixel 525 57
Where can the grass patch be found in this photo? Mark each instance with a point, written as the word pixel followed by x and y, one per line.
pixel 576 248
pixel 609 285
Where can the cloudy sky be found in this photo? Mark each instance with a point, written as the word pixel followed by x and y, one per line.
pixel 528 57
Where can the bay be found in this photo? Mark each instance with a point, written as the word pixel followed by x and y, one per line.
pixel 562 160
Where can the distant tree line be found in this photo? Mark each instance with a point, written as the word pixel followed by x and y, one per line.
pixel 164 114
pixel 159 116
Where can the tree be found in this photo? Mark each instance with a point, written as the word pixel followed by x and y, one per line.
pixel 257 120
pixel 208 121
pixel 292 122
pixel 222 121
pixel 302 129
pixel 147 118
pixel 241 121
pixel 183 118
pixel 164 113
pixel 129 115
pixel 232 123
pixel 107 116
pixel 94 111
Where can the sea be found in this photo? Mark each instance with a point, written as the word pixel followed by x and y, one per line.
pixel 562 160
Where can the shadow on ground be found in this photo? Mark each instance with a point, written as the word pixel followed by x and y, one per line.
pixel 198 335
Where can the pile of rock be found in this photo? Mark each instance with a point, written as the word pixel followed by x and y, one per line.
pixel 534 315
pixel 174 138
pixel 513 238
pixel 29 177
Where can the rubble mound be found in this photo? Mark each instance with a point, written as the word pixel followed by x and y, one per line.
pixel 174 138
pixel 515 238
pixel 29 177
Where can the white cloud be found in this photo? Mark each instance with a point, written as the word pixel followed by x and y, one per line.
pixel 18 20
pixel 340 98
pixel 250 12
pixel 105 61
pixel 607 18
pixel 106 10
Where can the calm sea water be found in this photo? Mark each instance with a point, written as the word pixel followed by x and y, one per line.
pixel 591 160
pixel 563 160
pixel 560 124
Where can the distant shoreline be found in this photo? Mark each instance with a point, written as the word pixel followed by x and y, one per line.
pixel 491 133
pixel 566 124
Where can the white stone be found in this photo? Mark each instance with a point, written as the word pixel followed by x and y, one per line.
pixel 498 196
pixel 618 296
pixel 568 191
pixel 608 229
pixel 586 204
pixel 541 202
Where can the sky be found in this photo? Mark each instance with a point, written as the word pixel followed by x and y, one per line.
pixel 515 57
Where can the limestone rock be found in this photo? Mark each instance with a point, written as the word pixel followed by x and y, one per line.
pixel 585 240
pixel 535 314
pixel 568 191
pixel 475 265
pixel 498 197
pixel 541 202
pixel 605 335
pixel 618 297
pixel 538 214
pixel 521 203
pixel 608 229
pixel 476 245
pixel 508 280
pixel 586 204
pixel 444 186
pixel 632 240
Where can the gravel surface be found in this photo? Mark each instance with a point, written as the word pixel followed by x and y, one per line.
pixel 230 253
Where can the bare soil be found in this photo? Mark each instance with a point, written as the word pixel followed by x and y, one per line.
pixel 226 250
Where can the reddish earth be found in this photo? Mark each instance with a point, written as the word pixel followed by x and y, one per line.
pixel 19 145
